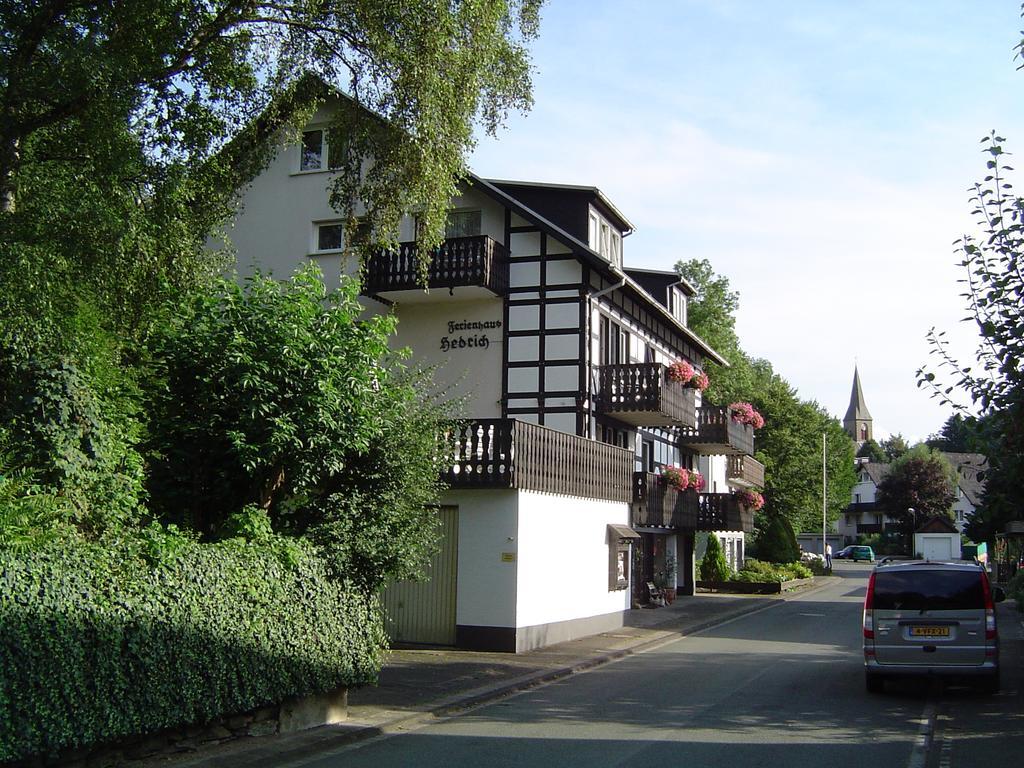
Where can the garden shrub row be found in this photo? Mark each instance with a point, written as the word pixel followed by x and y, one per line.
pixel 757 571
pixel 98 642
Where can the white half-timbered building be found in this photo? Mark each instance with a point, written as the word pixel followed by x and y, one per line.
pixel 557 517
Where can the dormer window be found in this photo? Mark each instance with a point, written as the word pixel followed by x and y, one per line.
pixel 677 304
pixel 605 239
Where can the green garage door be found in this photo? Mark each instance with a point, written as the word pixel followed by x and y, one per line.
pixel 424 611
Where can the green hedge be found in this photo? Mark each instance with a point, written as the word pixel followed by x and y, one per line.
pixel 756 571
pixel 96 643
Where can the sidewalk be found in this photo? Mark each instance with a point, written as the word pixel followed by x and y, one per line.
pixel 419 685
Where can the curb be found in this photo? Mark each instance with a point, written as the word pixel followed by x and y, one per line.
pixel 322 741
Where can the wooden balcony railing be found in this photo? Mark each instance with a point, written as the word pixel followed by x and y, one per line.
pixel 745 471
pixel 722 512
pixel 657 504
pixel 458 262
pixel 506 453
pixel 640 394
pixel 716 433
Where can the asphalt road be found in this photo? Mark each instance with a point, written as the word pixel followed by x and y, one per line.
pixel 781 687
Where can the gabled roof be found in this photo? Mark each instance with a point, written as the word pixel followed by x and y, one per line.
pixel 594 193
pixel 596 261
pixel 662 277
pixel 876 470
pixel 936 524
pixel 970 471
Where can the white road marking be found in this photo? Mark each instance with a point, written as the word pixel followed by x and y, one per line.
pixel 924 737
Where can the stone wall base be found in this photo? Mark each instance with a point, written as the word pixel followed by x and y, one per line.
pixel 293 715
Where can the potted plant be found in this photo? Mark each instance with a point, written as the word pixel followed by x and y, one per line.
pixel 670 578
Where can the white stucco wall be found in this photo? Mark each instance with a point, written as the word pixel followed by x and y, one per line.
pixel 563 558
pixel 451 336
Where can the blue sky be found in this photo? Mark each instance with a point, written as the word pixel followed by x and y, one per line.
pixel 817 153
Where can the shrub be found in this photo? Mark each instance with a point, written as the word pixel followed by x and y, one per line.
pixel 714 566
pixel 102 641
pixel 778 543
pixel 759 571
pixel 1015 589
pixel 275 396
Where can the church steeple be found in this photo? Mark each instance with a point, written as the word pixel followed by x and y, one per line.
pixel 858 421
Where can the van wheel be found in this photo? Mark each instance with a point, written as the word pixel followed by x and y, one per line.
pixel 875 683
pixel 990 684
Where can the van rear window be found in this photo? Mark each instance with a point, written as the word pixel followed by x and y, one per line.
pixel 932 590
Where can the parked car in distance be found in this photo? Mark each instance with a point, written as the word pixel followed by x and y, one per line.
pixel 843 553
pixel 925 618
pixel 859 552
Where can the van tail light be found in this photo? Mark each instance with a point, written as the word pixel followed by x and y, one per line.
pixel 869 600
pixel 990 609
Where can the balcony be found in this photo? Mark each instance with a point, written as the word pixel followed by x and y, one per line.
pixel 656 504
pixel 641 395
pixel 477 266
pixel 717 434
pixel 744 471
pixel 506 453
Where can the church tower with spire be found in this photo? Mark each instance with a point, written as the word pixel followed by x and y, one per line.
pixel 858 421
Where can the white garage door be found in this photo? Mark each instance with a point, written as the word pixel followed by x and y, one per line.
pixel 936 547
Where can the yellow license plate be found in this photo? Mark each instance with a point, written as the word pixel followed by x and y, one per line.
pixel 929 631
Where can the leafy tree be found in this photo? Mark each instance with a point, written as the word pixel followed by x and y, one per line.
pixel 994 383
pixel 186 73
pixel 922 480
pixel 276 397
pixel 128 128
pixel 789 445
pixel 873 452
pixel 714 566
pixel 894 446
pixel 959 434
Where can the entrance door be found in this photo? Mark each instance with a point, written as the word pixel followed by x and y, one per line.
pixel 424 611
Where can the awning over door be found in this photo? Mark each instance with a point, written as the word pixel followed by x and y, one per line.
pixel 621 532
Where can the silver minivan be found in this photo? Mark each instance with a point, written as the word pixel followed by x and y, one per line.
pixel 931 618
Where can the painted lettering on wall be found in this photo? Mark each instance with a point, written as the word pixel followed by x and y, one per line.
pixel 455 340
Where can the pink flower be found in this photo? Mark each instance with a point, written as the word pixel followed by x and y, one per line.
pixel 680 371
pixel 701 381
pixel 696 480
pixel 744 413
pixel 678 477
pixel 750 499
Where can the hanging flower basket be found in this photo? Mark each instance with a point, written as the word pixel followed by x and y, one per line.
pixel 682 479
pixel 683 373
pixel 676 477
pixel 750 499
pixel 744 413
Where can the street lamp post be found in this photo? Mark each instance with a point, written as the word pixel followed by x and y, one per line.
pixel 913 528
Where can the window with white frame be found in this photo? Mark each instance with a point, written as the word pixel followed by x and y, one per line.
pixel 677 304
pixel 311 153
pixel 330 236
pixel 318 153
pixel 605 239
